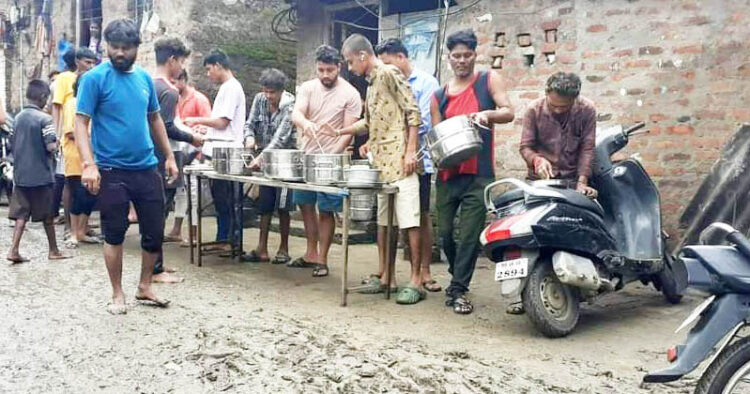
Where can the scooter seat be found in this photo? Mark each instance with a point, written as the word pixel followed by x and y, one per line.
pixel 574 198
pixel 507 198
pixel 730 266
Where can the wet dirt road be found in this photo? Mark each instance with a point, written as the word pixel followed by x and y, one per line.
pixel 249 328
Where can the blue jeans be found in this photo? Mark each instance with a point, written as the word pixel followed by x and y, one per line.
pixel 221 192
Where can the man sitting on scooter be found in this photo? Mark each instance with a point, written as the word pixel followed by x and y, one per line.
pixel 559 132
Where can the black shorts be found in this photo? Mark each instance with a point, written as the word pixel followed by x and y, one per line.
pixel 145 189
pixel 82 201
pixel 425 185
pixel 272 199
pixel 32 202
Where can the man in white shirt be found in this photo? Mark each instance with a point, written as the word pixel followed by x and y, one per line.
pixel 226 122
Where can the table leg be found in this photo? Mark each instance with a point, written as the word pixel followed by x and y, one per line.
pixel 241 220
pixel 345 245
pixel 388 235
pixel 199 211
pixel 190 216
pixel 232 235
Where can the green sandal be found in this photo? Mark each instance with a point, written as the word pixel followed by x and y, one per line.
pixel 410 295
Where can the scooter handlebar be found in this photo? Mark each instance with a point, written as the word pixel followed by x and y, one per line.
pixel 634 128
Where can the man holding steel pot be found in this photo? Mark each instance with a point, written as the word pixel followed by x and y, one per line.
pixel 482 96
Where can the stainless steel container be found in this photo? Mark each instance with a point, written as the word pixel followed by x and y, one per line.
pixel 238 161
pixel 325 169
pixel 453 141
pixel 364 205
pixel 283 164
pixel 219 160
pixel 360 175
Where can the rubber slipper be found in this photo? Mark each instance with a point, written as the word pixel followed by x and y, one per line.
pixel 515 308
pixel 281 258
pixel 18 260
pixel 185 243
pixel 366 281
pixel 90 240
pixel 253 257
pixel 58 257
pixel 373 286
pixel 172 239
pixel 157 302
pixel 300 263
pixel 432 286
pixel 410 295
pixel 320 271
pixel 462 305
pixel 117 309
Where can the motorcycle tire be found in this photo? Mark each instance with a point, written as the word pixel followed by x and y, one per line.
pixel 669 285
pixel 551 320
pixel 732 362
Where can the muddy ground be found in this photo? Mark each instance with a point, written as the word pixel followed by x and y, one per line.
pixel 250 328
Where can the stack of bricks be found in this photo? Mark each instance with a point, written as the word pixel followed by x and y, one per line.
pixel 683 67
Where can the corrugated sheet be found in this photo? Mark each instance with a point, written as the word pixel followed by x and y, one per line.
pixel 725 193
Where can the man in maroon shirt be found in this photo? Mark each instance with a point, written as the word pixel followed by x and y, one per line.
pixel 559 132
pixel 460 189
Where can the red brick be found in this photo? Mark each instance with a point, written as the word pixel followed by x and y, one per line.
pixel 680 129
pixel 706 143
pixel 744 70
pixel 638 63
pixel 688 75
pixel 591 54
pixel 689 49
pixel 690 7
pixel 609 93
pixel 616 12
pixel 603 67
pixel 654 170
pixel 724 87
pixel 676 157
pixel 636 91
pixel 594 78
pixel 657 117
pixel 530 82
pixel 656 130
pixel 665 144
pixel 529 95
pixel 623 53
pixel 647 11
pixel 696 21
pixel 676 171
pixel 737 17
pixel 549 47
pixel 741 114
pixel 596 28
pixel 683 102
pixel 710 155
pixel 565 58
pixel 551 24
pixel 709 114
pixel 620 76
pixel 650 50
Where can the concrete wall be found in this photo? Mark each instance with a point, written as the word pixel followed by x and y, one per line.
pixel 681 66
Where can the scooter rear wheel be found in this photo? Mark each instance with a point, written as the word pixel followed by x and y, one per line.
pixel 552 306
pixel 729 373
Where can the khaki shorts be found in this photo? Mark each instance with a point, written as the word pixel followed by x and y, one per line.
pixel 406 204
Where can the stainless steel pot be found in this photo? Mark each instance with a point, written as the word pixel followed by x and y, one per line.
pixel 219 160
pixel 360 175
pixel 283 164
pixel 453 141
pixel 238 161
pixel 364 205
pixel 325 169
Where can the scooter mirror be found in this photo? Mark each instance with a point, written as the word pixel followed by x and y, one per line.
pixel 715 234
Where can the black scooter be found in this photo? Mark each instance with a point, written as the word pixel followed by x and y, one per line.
pixel 724 273
pixel 555 247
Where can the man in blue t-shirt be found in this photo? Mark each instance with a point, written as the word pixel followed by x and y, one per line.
pixel 119 101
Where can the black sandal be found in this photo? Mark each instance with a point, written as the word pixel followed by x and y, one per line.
pixel 515 308
pixel 461 305
pixel 320 270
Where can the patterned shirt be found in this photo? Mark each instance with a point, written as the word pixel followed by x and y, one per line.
pixel 390 110
pixel 272 131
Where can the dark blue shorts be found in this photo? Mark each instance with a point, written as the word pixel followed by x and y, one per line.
pixel 326 202
pixel 272 199
pixel 82 202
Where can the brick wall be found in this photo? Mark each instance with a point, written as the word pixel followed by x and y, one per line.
pixel 681 66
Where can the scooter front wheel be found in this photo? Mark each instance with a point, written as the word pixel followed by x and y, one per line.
pixel 552 306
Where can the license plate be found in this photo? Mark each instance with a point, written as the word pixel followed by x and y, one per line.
pixel 512 269
pixel 696 313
